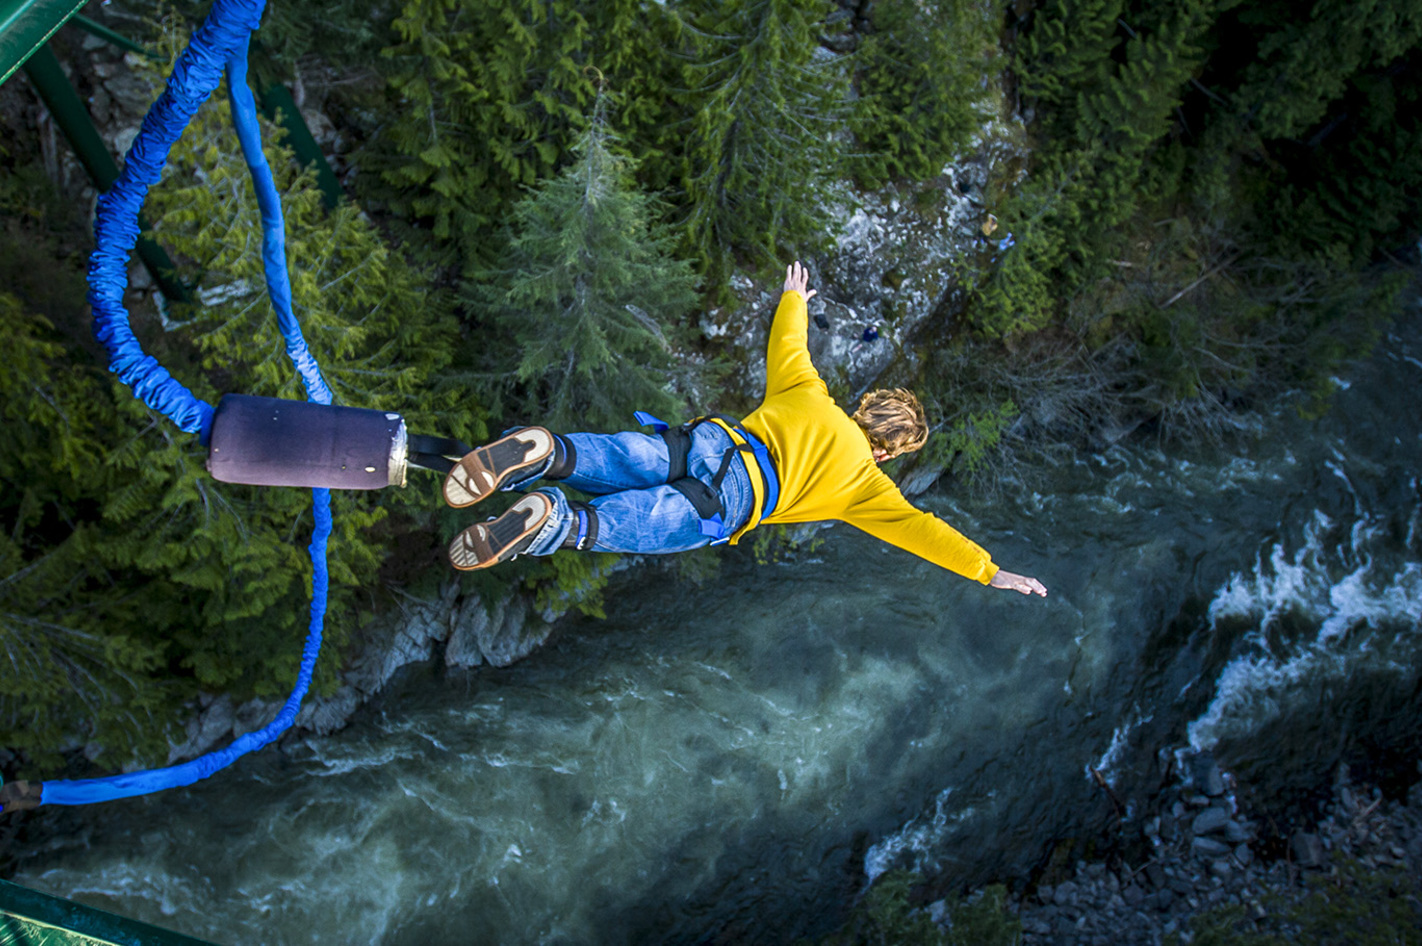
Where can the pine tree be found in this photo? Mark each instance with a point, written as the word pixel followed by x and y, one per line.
pixel 486 99
pixel 1309 120
pixel 764 141
pixel 1110 91
pixel 75 664
pixel 1066 52
pixel 1303 63
pixel 920 86
pixel 1125 118
pixel 588 294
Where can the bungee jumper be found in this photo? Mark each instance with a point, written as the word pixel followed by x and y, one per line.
pixel 797 458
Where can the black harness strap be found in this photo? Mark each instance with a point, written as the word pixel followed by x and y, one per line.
pixel 439 454
pixel 678 441
pixel 703 498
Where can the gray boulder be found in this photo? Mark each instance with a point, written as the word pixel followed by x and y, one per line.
pixel 1210 821
pixel 1209 847
pixel 515 636
pixel 1307 849
pixel 325 715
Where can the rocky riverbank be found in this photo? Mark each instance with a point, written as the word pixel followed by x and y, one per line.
pixel 1204 853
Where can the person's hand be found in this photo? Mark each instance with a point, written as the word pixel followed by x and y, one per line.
pixel 797 278
pixel 1011 582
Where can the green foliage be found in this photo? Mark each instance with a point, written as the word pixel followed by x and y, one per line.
pixel 1358 905
pixel 77 665
pixel 776 543
pixel 761 109
pixel 1358 197
pixel 379 334
pixel 1310 121
pixel 128 579
pixel 919 79
pixel 972 438
pixel 587 296
pixel 487 98
pixel 1108 99
pixel 985 921
pixel 1068 48
pixel 564 582
pixel 1301 65
pixel 885 917
pixel 1294 165
pixel 698 566
pixel 348 33
pixel 380 337
pixel 1018 289
pixel 729 106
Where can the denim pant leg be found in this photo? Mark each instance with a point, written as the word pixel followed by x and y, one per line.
pixel 609 463
pixel 656 519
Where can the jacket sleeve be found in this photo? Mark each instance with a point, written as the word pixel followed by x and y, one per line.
pixel 787 356
pixel 888 516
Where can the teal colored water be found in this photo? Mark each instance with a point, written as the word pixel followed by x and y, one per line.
pixel 732 762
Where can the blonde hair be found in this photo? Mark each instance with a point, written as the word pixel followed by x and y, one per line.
pixel 893 419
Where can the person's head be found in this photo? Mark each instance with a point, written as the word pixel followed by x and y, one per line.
pixel 894 422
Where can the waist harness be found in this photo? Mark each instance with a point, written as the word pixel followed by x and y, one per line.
pixel 706 500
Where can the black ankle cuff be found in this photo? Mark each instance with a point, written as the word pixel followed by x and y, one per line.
pixel 565 459
pixel 583 534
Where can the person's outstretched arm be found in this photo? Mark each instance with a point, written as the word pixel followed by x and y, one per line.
pixel 887 515
pixel 787 355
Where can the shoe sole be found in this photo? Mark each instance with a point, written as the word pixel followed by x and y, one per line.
pixel 489 543
pixel 479 473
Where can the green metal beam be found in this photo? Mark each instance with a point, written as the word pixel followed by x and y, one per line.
pixel 71 116
pixel 26 25
pixel 31 918
pixel 278 105
pixel 95 28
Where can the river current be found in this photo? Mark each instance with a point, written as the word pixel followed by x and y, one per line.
pixel 731 762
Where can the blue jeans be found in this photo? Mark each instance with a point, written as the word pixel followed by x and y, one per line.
pixel 636 511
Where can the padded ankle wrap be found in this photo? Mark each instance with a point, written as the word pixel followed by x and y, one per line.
pixel 565 459
pixel 583 534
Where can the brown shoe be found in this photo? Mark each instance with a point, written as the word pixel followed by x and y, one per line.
pixel 484 470
pixel 498 540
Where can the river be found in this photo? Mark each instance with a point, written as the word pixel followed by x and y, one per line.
pixel 729 762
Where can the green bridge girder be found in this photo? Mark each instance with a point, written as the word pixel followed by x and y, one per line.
pixel 25 25
pixel 31 918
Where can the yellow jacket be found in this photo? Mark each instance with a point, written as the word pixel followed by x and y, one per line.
pixel 824 463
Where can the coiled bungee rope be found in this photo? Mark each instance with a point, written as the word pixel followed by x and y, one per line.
pixel 220 43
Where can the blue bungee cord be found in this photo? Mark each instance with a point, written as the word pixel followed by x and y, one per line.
pixel 221 42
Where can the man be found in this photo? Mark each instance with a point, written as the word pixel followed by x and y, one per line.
pixel 798 458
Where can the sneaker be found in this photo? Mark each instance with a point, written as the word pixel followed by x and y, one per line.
pixel 484 470
pixel 501 539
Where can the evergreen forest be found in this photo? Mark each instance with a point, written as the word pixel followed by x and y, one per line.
pixel 1212 204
